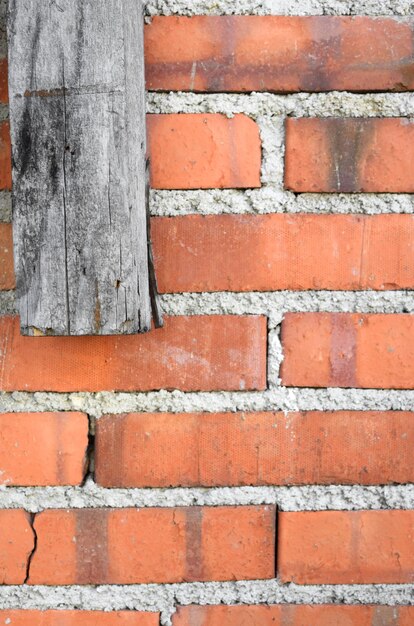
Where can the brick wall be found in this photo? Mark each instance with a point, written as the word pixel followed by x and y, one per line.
pixel 251 462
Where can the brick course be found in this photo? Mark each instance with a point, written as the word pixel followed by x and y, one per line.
pixel 189 353
pixel 128 546
pixel 279 53
pixel 161 450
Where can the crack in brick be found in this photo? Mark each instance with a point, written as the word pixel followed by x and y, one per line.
pixel 31 520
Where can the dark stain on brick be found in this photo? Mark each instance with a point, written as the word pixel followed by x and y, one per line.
pixel 194 548
pixel 313 68
pixel 109 451
pixel 385 616
pixel 321 67
pixel 287 617
pixel 92 546
pixel 348 140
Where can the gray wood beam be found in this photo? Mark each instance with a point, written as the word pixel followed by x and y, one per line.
pixel 77 114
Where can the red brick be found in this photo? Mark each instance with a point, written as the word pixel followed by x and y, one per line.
pixel 189 353
pixel 43 448
pixel 162 450
pixel 278 53
pixel 16 545
pixel 4 91
pixel 190 151
pixel 406 615
pixel 271 252
pixel 6 257
pixel 125 546
pixel 349 155
pixel 293 615
pixel 348 350
pixel 78 618
pixel 5 157
pixel 333 547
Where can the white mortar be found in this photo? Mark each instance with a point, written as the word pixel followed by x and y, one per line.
pixel 165 598
pixel 280 7
pixel 304 498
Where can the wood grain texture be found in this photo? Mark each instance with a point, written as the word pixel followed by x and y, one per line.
pixel 77 108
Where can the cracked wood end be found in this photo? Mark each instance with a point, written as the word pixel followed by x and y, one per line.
pixel 77 111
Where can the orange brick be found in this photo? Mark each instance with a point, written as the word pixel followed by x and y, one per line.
pixel 271 252
pixel 406 615
pixel 6 257
pixel 292 615
pixel 349 155
pixel 43 448
pixel 162 450
pixel 333 547
pixel 189 353
pixel 190 151
pixel 348 350
pixel 125 546
pixel 279 53
pixel 5 157
pixel 78 618
pixel 4 91
pixel 16 545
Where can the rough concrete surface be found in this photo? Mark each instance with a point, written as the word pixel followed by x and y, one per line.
pixel 5 206
pixel 304 498
pixel 277 399
pixel 166 598
pixel 332 104
pixel 269 199
pixel 279 7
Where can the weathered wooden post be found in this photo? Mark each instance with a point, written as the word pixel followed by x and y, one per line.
pixel 77 113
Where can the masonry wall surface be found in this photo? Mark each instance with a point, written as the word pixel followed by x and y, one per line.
pixel 252 462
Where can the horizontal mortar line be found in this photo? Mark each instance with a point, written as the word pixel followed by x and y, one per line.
pixel 274 106
pixel 287 498
pixel 276 303
pixel 271 198
pixel 276 7
pixel 165 597
pixel 285 399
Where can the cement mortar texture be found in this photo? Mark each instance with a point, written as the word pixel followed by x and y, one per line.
pixel 279 7
pixel 166 598
pixel 293 498
pixel 5 206
pixel 276 399
pixel 270 199
pixel 4 112
pixel 332 104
